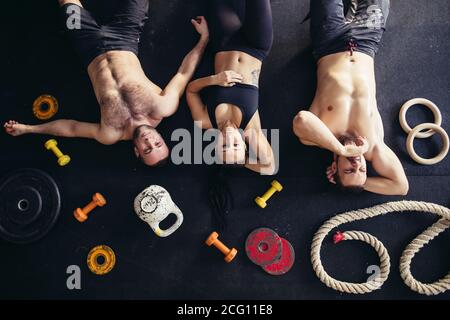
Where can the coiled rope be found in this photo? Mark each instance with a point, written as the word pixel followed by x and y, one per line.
pixel 415 246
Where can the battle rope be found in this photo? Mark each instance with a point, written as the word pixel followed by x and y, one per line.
pixel 421 240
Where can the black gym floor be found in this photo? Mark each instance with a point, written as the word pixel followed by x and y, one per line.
pixel 413 61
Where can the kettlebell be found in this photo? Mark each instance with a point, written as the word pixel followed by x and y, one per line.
pixel 153 205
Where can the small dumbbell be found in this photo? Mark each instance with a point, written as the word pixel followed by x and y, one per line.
pixel 262 201
pixel 213 240
pixel 62 158
pixel 82 214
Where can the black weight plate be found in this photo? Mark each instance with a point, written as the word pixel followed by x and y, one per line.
pixel 30 203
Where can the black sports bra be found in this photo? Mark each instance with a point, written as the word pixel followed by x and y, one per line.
pixel 243 96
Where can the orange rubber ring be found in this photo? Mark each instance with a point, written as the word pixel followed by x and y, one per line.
pixel 101 251
pixel 50 111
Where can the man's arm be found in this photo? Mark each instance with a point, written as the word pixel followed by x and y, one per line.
pixel 313 132
pixel 175 89
pixel 64 128
pixel 392 179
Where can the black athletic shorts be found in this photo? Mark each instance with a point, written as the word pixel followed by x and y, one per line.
pixel 359 29
pixel 92 35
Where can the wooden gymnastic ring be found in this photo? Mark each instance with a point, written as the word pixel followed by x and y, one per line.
pixel 427 103
pixel 47 113
pixel 413 134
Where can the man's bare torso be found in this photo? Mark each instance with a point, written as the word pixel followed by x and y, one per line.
pixel 345 99
pixel 125 95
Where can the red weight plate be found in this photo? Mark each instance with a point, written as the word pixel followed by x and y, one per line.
pixel 284 263
pixel 263 246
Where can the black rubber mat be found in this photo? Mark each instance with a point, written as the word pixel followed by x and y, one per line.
pixel 37 58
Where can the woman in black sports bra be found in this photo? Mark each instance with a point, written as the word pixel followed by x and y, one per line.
pixel 241 35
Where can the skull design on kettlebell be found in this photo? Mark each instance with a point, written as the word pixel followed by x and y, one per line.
pixel 153 205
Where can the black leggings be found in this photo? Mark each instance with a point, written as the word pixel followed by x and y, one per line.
pixel 242 25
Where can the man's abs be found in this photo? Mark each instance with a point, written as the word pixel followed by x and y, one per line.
pixel 122 89
pixel 115 69
pixel 346 95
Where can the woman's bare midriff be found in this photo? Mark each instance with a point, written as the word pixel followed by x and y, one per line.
pixel 246 65
pixel 250 68
pixel 346 96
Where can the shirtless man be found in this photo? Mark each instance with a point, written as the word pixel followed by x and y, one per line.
pixel 344 117
pixel 131 105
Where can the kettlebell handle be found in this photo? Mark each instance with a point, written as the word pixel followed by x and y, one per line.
pixel 165 233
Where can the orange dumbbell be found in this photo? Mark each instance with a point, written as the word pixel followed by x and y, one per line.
pixel 82 214
pixel 228 253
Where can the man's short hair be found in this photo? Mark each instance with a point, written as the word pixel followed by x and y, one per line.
pixel 347 189
pixel 162 162
pixel 159 164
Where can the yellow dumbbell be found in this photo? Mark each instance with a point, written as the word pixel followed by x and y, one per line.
pixel 262 201
pixel 62 158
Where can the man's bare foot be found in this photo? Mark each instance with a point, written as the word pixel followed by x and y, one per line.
pixel 14 128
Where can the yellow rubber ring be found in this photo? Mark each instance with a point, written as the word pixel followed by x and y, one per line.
pixel 410 143
pixel 50 101
pixel 420 101
pixel 101 251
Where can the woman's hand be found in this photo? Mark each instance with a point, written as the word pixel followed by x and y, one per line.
pixel 227 78
pixel 201 26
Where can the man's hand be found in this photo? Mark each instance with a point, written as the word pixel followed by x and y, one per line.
pixel 361 147
pixel 14 128
pixel 201 26
pixel 227 78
